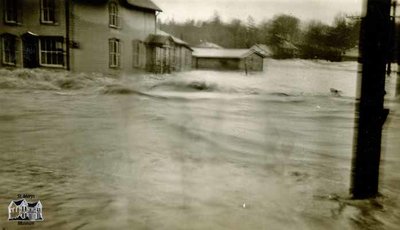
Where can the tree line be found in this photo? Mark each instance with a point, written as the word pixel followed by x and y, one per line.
pixel 286 35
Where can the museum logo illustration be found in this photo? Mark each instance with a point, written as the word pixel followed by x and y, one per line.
pixel 21 210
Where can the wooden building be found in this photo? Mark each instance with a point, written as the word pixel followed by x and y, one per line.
pixel 228 59
pixel 181 53
pixel 351 54
pixel 263 49
pixel 167 53
pixel 107 36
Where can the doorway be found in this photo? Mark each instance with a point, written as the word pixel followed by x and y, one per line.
pixel 30 50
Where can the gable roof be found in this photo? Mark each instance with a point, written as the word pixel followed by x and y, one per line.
pixel 261 48
pixel 144 4
pixel 175 39
pixel 209 45
pixel 18 202
pixel 158 39
pixel 34 204
pixel 224 53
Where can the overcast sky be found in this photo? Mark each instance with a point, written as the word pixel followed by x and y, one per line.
pixel 324 10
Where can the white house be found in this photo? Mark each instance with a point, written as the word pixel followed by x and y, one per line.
pixel 23 210
pixel 17 208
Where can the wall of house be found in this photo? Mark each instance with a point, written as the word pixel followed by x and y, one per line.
pixel 253 62
pixel 182 58
pixel 186 59
pixel 91 32
pixel 29 21
pixel 217 63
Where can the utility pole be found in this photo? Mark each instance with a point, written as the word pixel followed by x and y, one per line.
pixel 67 35
pixel 374 44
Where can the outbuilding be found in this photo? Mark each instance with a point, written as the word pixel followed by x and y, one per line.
pixel 228 59
pixel 166 53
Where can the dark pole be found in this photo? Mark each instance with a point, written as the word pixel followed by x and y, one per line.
pixel 397 40
pixel 374 44
pixel 393 46
pixel 67 35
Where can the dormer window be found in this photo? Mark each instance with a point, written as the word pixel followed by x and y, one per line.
pixel 11 11
pixel 48 11
pixel 114 15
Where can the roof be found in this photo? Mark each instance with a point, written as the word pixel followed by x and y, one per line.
pixel 223 53
pixel 209 45
pixel 145 4
pixel 175 39
pixel 18 202
pixel 158 39
pixel 288 45
pixel 353 52
pixel 33 204
pixel 261 48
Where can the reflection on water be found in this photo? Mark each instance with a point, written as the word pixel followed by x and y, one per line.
pixel 198 150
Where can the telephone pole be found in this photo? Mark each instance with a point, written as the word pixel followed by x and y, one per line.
pixel 374 46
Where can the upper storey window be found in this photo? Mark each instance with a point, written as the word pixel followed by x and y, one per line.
pixel 114 15
pixel 11 11
pixel 48 11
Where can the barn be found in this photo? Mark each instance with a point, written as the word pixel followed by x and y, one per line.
pixel 228 59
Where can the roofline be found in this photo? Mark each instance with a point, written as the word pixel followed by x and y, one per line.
pixel 155 8
pixel 249 52
pixel 218 57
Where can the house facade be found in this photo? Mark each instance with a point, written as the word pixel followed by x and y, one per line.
pixel 21 210
pixel 228 59
pixel 107 36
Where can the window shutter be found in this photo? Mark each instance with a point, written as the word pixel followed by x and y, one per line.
pixel 56 4
pixel 18 51
pixel 19 15
pixel 136 54
pixel 142 55
pixel 2 48
pixel 19 11
pixel 4 10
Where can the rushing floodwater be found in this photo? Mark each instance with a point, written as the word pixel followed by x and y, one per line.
pixel 197 150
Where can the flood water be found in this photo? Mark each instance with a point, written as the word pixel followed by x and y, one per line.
pixel 195 150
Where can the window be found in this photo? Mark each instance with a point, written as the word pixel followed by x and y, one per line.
pixel 9 49
pixel 11 11
pixel 114 16
pixel 48 14
pixel 139 54
pixel 51 51
pixel 115 53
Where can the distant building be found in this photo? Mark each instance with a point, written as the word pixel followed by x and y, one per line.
pixel 228 59
pixel 285 49
pixel 262 49
pixel 351 54
pixel 106 36
pixel 209 45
